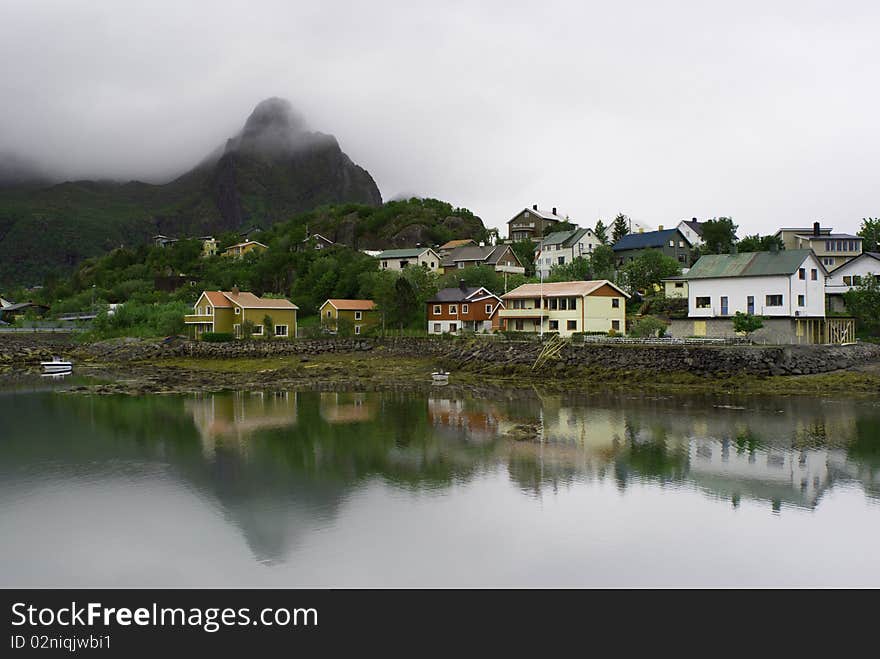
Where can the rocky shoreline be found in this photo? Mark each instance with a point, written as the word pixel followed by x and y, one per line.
pixel 135 366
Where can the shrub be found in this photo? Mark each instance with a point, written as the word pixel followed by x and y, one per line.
pixel 647 326
pixel 746 323
pixel 218 337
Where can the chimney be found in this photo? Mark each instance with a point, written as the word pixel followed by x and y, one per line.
pixel 554 210
pixel 816 229
pixel 660 227
pixel 461 284
pixel 535 207
pixel 235 291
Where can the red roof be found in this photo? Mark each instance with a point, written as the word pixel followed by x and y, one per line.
pixel 217 299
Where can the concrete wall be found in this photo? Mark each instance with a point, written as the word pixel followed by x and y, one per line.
pixel 776 331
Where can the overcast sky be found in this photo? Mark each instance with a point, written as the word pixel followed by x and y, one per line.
pixel 764 111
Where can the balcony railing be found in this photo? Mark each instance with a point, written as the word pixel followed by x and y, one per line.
pixel 522 313
pixel 198 318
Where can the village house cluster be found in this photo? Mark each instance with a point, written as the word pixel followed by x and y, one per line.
pixel 792 289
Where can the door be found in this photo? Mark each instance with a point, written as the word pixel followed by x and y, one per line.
pixel 750 304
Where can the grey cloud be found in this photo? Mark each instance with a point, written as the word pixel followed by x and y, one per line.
pixel 766 112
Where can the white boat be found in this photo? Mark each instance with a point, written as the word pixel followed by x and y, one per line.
pixel 57 365
pixel 440 376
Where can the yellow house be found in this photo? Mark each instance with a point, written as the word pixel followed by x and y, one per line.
pixel 227 311
pixel 675 287
pixel 238 251
pixel 565 307
pixel 361 314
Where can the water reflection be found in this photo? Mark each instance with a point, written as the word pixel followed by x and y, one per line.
pixel 281 466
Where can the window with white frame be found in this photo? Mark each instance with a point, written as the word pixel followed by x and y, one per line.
pixel 703 302
pixel 453 308
pixel 437 329
pixel 258 330
pixel 488 308
pixel 464 308
pixel 773 301
pixel 358 315
pixel 357 329
pixel 237 311
pixel 281 330
pixel 437 311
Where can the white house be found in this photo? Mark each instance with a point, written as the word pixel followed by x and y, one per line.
pixel 850 275
pixel 692 230
pixel 561 247
pixel 786 283
pixel 398 259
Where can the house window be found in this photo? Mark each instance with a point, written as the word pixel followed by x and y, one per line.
pixel 358 315
pixel 460 265
pixel 437 329
pixel 704 302
pixel 554 325
pixel 615 303
pixel 615 325
pixel 453 327
pixel 237 311
pixel 453 308
pixel 432 265
pixel 681 244
pixel 281 330
pixel 724 305
pixel 560 260
pixel 802 301
pixel 210 310
pixel 773 301
pixel 679 284
pixel 572 303
pixel 384 264
pixel 488 308
pixel 847 281
pixel 464 308
pixel 437 310
pixel 857 280
pixel 814 274
pixel 328 313
pixel 518 325
pixel 571 325
pixel 357 329
pixel 672 243
pixel 802 273
pixel 258 330
pixel 827 261
pixel 552 304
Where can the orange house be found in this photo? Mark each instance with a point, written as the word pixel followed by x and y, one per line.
pixel 463 308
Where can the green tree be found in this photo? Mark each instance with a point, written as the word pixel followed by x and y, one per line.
pixel 870 232
pixel 758 243
pixel 746 323
pixel 602 261
pixel 863 302
pixel 648 269
pixel 647 326
pixel 269 326
pixel 579 269
pixel 601 232
pixel 481 275
pixel 247 329
pixel 620 227
pixel 525 252
pixel 719 234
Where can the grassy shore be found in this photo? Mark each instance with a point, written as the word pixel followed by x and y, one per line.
pixel 382 369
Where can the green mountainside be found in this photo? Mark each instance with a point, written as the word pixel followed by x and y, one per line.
pixel 271 171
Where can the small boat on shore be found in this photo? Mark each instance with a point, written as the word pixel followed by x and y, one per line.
pixel 440 377
pixel 57 365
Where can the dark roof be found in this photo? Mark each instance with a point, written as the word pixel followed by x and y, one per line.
pixel 696 225
pixel 648 239
pixel 823 236
pixel 456 294
pixel 749 264
pixel 487 254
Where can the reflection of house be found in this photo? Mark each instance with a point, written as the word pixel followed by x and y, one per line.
pixel 242 249
pixel 354 407
pixel 360 314
pixel 231 419
pixel 398 259
pixel 227 311
pixel 565 307
pixel 468 420
pixel 849 276
pixel 463 308
pixel 778 475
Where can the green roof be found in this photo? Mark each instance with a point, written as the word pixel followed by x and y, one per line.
pixel 749 264
pixel 402 253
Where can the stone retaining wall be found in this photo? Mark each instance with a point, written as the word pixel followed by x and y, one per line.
pixel 496 355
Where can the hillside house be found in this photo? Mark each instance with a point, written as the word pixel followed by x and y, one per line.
pixel 226 311
pixel 398 259
pixel 692 230
pixel 471 308
pixel 315 241
pixel 500 258
pixel 848 276
pixel 672 242
pixel 785 287
pixel 359 314
pixel 562 247
pixel 834 249
pixel 240 250
pixel 532 223
pixel 565 307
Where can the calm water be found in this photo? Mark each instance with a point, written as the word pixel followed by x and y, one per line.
pixel 353 489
